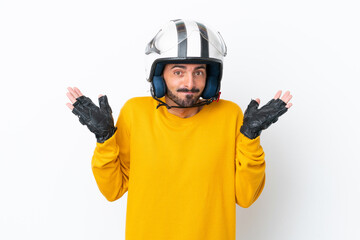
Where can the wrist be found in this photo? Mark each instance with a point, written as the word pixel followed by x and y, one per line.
pixel 106 136
pixel 249 133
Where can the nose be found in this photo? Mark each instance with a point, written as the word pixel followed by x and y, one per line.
pixel 189 81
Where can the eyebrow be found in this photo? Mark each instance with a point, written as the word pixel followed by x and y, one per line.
pixel 184 67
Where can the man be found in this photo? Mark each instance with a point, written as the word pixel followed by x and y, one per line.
pixel 184 156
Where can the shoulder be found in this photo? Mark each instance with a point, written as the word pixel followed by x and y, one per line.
pixel 135 109
pixel 225 113
pixel 139 107
pixel 227 106
pixel 137 103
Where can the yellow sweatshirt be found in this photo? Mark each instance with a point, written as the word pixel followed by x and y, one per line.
pixel 183 175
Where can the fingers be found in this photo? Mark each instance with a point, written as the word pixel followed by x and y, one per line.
pixel 278 94
pixel 71 97
pixel 72 94
pixel 286 97
pixel 78 91
pixel 70 106
pixel 257 100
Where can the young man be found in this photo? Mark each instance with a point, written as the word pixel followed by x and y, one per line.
pixel 184 158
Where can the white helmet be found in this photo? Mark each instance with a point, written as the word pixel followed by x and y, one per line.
pixel 184 41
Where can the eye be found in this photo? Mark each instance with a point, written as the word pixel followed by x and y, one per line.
pixel 177 73
pixel 199 73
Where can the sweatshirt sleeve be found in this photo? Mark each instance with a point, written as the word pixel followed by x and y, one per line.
pixel 111 161
pixel 249 168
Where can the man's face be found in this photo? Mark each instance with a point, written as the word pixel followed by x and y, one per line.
pixel 185 82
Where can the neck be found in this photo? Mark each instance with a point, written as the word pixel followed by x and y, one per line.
pixel 182 112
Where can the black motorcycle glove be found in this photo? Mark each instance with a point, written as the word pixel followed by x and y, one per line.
pixel 256 120
pixel 98 120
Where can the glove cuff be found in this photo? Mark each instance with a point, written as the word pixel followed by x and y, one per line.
pixel 248 133
pixel 110 133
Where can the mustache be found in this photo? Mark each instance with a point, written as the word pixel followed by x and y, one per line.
pixel 193 90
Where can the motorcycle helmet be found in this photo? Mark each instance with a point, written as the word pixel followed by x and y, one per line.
pixel 185 41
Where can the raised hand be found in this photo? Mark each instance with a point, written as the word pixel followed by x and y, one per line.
pixel 256 120
pixel 98 120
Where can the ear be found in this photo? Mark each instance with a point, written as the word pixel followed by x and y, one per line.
pixel 158 84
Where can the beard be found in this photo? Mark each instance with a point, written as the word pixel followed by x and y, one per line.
pixel 189 99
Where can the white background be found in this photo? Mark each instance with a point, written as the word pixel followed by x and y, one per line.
pixel 310 47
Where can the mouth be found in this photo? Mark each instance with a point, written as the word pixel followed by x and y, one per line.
pixel 186 91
